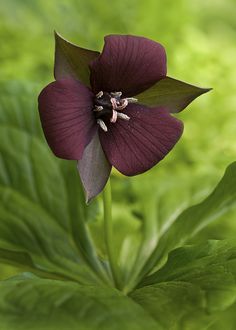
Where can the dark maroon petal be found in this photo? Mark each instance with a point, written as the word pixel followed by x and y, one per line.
pixel 65 108
pixel 128 64
pixel 94 169
pixel 135 146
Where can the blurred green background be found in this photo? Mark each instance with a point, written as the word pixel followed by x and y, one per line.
pixel 199 37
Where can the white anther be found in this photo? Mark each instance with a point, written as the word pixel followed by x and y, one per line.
pixel 122 116
pixel 116 94
pixel 101 123
pixel 98 108
pixel 99 94
pixel 114 116
pixel 132 99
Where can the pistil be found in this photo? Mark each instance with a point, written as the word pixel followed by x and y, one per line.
pixel 108 106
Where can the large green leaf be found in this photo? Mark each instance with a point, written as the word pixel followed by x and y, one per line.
pixel 195 218
pixel 170 224
pixel 186 263
pixel 34 211
pixel 38 304
pixel 176 305
pixel 158 206
pixel 171 93
pixel 195 284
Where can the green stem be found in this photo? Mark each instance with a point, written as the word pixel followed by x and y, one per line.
pixel 107 205
pixel 85 244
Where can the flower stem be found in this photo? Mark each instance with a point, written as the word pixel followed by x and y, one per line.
pixel 84 242
pixel 108 230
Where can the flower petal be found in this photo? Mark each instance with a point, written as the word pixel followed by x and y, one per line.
pixel 128 64
pixel 135 146
pixel 72 61
pixel 94 169
pixel 65 108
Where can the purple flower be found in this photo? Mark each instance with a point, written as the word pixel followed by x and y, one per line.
pixel 104 121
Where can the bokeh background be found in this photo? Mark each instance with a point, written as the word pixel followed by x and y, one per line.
pixel 199 37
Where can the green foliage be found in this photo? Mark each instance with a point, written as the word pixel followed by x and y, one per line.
pixel 195 218
pixel 196 282
pixel 41 203
pixel 186 226
pixel 44 227
pixel 31 303
pixel 40 217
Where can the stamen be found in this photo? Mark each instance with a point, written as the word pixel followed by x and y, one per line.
pixel 132 99
pixel 114 103
pixel 99 94
pixel 98 108
pixel 110 106
pixel 102 125
pixel 122 116
pixel 114 116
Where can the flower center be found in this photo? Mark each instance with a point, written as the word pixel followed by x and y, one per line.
pixel 110 107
